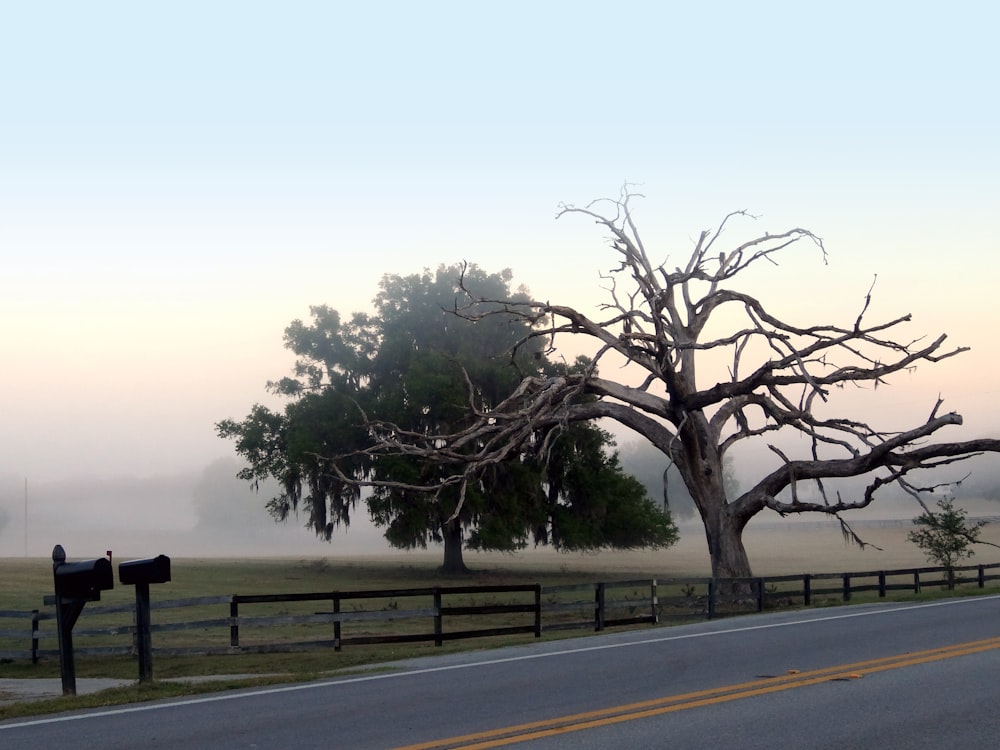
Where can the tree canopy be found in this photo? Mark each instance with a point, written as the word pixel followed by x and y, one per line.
pixel 413 369
pixel 672 324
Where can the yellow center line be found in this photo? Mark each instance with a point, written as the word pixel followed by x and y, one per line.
pixel 657 706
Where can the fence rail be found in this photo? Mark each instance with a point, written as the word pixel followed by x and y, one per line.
pixel 247 623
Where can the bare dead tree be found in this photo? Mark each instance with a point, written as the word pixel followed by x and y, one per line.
pixel 656 320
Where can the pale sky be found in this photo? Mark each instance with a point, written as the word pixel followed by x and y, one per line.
pixel 179 181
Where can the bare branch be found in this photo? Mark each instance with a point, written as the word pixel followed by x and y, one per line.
pixel 782 380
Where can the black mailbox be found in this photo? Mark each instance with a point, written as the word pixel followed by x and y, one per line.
pixel 152 570
pixel 85 579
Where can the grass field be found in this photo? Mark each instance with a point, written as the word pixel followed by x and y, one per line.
pixel 774 549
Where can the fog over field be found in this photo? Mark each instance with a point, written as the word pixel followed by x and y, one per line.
pixel 205 514
pixel 213 514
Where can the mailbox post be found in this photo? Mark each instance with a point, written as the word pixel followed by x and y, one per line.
pixel 75 584
pixel 141 573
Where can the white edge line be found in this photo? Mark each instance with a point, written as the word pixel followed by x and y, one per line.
pixel 469 665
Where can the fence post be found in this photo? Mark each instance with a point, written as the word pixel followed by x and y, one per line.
pixel 34 634
pixel 234 622
pixel 981 580
pixel 438 640
pixel 599 607
pixel 916 581
pixel 654 602
pixel 538 610
pixel 711 598
pixel 336 623
pixel 807 589
pixel 847 587
pixel 760 594
pixel 881 584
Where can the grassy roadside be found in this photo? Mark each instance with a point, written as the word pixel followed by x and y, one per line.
pixel 275 669
pixel 137 693
pixel 24 582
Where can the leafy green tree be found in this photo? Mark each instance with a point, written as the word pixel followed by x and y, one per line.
pixel 415 369
pixel 946 536
pixel 593 503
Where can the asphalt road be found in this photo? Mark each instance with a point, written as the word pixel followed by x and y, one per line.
pixel 914 676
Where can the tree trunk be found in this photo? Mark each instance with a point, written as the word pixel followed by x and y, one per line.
pixel 699 460
pixel 454 564
pixel 725 546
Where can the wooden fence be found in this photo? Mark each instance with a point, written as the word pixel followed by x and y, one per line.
pixel 251 623
pixel 33 634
